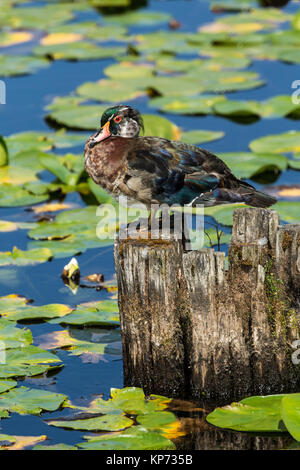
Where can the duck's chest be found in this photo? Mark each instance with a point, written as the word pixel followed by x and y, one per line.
pixel 106 163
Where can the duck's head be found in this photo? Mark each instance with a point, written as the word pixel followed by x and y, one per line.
pixel 121 121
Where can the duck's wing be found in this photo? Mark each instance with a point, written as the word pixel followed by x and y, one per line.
pixel 177 172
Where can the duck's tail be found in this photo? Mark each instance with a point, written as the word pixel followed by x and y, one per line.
pixel 259 199
pixel 245 193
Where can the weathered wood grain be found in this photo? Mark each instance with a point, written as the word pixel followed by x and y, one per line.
pixel 191 328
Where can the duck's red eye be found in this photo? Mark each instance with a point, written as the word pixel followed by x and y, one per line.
pixel 118 119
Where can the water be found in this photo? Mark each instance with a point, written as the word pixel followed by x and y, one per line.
pixel 26 99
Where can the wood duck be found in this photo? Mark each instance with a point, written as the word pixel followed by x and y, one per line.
pixel 153 170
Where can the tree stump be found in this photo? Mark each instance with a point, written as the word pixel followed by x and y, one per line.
pixel 193 329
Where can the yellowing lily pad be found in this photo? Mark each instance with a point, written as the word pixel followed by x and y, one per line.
pixel 8 442
pixel 60 38
pixel 15 37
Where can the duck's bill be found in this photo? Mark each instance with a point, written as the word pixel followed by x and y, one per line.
pixel 103 134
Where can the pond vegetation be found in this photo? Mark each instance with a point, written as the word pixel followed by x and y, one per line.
pixel 220 74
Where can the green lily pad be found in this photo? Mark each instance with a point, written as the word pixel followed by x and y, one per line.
pixel 134 438
pixel 58 166
pixel 13 65
pixel 187 104
pixel 37 17
pixel 55 447
pixel 27 361
pixel 78 51
pixel 277 143
pixel 18 175
pixel 289 211
pixel 30 312
pixel 24 258
pixel 198 137
pixel 92 30
pixel 141 18
pixel 129 400
pixel 24 400
pixel 61 248
pixel 254 414
pixel 13 196
pixel 103 313
pixel 107 90
pixel 247 164
pixel 296 22
pixel 156 420
pixel 6 385
pixel 276 107
pixel 128 70
pixel 160 126
pixel 13 337
pixel 100 423
pixel 290 413
pixel 41 141
pixel 78 117
pixel 223 214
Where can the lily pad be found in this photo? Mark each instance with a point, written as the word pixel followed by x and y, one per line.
pixel 289 211
pixel 55 447
pixel 223 214
pixel 198 137
pixel 13 196
pixel 13 337
pixel 8 442
pixel 290 413
pixel 6 385
pixel 24 258
pixel 141 18
pixel 13 65
pixel 30 312
pixel 27 361
pixel 254 414
pixel 36 17
pixel 77 51
pixel 135 438
pixel 276 107
pixel 59 167
pixel 24 400
pixel 192 105
pixel 247 164
pixel 107 422
pixel 277 143
pixel 107 90
pixel 103 313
